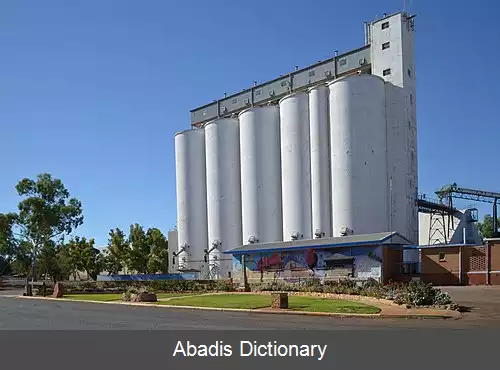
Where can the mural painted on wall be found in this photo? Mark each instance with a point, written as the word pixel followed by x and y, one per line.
pixel 357 262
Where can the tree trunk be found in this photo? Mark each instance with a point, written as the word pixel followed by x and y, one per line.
pixel 35 262
pixel 35 270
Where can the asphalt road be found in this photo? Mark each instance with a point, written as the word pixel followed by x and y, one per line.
pixel 25 314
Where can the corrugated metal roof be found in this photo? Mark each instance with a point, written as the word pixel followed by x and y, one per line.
pixel 336 242
pixel 440 246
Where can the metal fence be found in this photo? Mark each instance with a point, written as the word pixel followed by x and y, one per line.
pixel 13 282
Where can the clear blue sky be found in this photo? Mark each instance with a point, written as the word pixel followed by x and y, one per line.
pixel 93 91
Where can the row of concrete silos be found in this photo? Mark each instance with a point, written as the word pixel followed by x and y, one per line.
pixel 314 166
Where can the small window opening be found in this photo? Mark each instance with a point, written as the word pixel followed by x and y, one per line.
pixel 386 72
pixel 385 25
pixel 386 45
pixel 442 257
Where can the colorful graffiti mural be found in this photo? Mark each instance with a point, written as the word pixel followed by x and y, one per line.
pixel 357 262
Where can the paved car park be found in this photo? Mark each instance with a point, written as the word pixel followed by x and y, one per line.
pixel 482 302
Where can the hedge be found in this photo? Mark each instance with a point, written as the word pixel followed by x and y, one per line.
pixel 156 286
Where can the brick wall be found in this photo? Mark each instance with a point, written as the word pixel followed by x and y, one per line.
pixel 474 259
pixel 495 256
pixel 393 258
pixel 494 262
pixel 475 278
pixel 440 266
pixel 475 265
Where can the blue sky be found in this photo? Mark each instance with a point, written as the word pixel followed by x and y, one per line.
pixel 93 91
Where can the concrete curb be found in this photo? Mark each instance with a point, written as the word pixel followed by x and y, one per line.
pixel 263 311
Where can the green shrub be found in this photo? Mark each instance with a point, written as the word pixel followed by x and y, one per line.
pixel 175 286
pixel 442 298
pixel 38 290
pixel 127 296
pixel 225 286
pixel 311 283
pixel 275 286
pixel 414 293
pixel 342 287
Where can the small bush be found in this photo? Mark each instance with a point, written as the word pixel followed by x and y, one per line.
pixel 39 291
pixel 224 286
pixel 127 296
pixel 274 286
pixel 442 298
pixel 342 287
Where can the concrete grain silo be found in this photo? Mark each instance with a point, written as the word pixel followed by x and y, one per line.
pixel 296 166
pixel 320 162
pixel 260 175
pixel 359 155
pixel 191 189
pixel 222 141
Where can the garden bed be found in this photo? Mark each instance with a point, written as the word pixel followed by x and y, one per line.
pixel 412 294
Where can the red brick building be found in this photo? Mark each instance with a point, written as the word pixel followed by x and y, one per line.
pixel 459 264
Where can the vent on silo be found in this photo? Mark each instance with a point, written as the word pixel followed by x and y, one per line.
pixel 345 231
pixel 318 234
pixel 253 239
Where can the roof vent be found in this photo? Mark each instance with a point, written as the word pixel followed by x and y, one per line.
pixel 253 239
pixel 345 231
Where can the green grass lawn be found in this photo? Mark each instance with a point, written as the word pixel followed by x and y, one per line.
pixel 170 295
pixel 102 297
pixel 254 301
pixel 247 301
pixel 311 304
